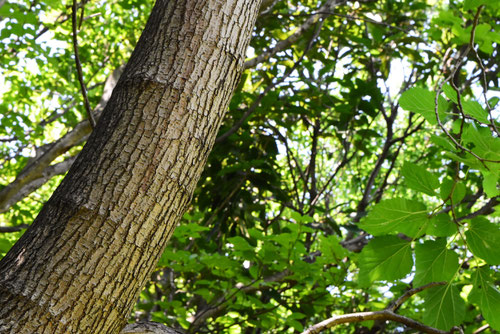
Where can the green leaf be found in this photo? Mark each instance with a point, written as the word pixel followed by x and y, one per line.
pixel 295 324
pixel 483 239
pixel 444 142
pixel 486 295
pixel 422 101
pixel 474 4
pixel 474 109
pixel 450 93
pixel 434 262
pixel 444 308
pixel 441 225
pixel 420 179
pixel 240 244
pixel 485 145
pixel 385 258
pixel 490 184
pixel 455 190
pixel 5 245
pixel 396 215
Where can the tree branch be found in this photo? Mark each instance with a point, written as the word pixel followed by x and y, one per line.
pixel 79 68
pixel 10 229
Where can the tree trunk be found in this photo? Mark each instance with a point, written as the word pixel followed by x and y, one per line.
pixel 81 265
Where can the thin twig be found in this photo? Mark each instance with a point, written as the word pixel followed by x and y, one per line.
pixel 481 329
pixel 79 68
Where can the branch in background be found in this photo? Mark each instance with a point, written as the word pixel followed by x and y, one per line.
pixel 289 157
pixel 365 200
pixel 311 169
pixel 267 6
pixel 387 314
pixel 343 163
pixel 79 67
pixel 286 43
pixel 355 244
pixel 48 153
pixel 10 229
pixel 31 186
pixel 485 210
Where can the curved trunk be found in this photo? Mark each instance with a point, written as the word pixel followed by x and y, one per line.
pixel 81 265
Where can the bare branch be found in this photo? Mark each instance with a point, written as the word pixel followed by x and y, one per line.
pixel 10 229
pixel 486 209
pixel 79 67
pixel 481 329
pixel 31 186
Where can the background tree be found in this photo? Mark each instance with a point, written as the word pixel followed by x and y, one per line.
pixel 335 137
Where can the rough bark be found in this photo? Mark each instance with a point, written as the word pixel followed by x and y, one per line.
pixel 81 265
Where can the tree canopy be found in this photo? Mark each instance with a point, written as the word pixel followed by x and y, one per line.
pixel 354 182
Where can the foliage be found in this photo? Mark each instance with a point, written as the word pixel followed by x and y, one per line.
pixel 356 162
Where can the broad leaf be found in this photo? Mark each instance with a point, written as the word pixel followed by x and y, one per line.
pixel 434 262
pixel 444 308
pixel 474 109
pixel 441 225
pixel 490 184
pixel 420 179
pixel 486 295
pixel 422 101
pixel 450 93
pixel 485 145
pixel 483 239
pixel 396 215
pixel 452 189
pixel 385 258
